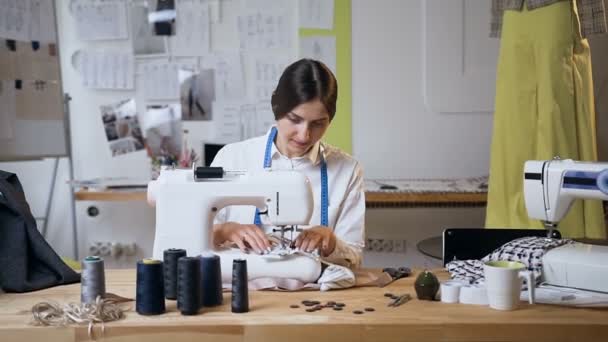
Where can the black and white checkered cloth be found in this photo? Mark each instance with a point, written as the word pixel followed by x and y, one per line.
pixel 527 250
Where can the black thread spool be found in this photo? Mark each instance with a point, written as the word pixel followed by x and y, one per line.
pixel 170 257
pixel 211 280
pixel 188 285
pixel 240 286
pixel 150 291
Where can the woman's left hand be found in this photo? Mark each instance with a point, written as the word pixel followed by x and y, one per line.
pixel 318 237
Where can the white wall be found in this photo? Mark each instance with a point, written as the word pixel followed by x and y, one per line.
pixel 395 134
pixel 410 60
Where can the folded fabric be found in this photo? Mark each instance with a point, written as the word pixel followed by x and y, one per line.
pixel 336 277
pixel 527 250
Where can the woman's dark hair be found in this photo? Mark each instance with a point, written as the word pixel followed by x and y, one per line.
pixel 304 81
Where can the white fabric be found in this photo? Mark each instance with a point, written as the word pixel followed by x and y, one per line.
pixel 336 277
pixel 345 188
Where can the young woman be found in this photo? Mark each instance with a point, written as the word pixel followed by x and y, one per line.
pixel 304 104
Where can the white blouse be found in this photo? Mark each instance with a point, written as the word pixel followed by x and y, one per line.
pixel 345 190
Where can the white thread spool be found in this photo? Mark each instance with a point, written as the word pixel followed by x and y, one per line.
pixel 473 294
pixel 450 291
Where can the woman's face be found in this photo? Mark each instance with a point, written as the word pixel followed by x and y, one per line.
pixel 301 128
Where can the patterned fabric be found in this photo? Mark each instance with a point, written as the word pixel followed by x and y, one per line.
pixel 528 250
pixel 591 14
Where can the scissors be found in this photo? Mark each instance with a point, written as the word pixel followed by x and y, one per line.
pixel 397 273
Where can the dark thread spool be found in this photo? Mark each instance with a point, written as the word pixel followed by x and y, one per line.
pixel 188 285
pixel 150 291
pixel 92 281
pixel 170 257
pixel 240 286
pixel 211 280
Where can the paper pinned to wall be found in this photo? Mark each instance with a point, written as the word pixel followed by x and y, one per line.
pixel 100 20
pixel 16 20
pixel 160 80
pixel 42 26
pixel 105 69
pixel 260 30
pixel 122 128
pixel 163 131
pixel 322 48
pixel 264 117
pixel 264 71
pixel 144 41
pixel 197 93
pixel 193 27
pixel 228 121
pixel 236 120
pixel 215 11
pixel 248 120
pixel 229 77
pixel 266 5
pixel 316 14
pixel 8 109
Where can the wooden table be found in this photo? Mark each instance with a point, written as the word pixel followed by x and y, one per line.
pixel 271 319
pixel 373 199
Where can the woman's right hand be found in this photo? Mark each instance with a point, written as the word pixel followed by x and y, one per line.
pixel 245 236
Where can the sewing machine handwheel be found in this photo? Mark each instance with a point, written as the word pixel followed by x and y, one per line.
pixel 602 181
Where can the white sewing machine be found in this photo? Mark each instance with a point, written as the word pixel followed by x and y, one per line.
pixel 187 201
pixel 550 187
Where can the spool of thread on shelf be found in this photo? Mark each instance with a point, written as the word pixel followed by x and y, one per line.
pixel 240 286
pixel 211 280
pixel 188 285
pixel 150 290
pixel 93 280
pixel 170 257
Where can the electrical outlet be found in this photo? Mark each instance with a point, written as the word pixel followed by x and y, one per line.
pixel 100 248
pixel 399 246
pixel 385 245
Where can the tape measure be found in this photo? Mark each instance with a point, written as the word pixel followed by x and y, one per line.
pixel 324 181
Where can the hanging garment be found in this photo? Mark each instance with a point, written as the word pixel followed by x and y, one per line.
pixel 544 108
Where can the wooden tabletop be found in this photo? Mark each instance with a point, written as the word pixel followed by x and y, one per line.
pixel 271 319
pixel 373 199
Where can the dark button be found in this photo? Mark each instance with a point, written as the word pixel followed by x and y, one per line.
pixel 294 306
pixel 370 309
pixel 338 308
pixel 358 312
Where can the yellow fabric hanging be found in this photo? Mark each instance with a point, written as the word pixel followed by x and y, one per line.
pixel 544 108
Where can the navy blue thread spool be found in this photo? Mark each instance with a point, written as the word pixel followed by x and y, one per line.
pixel 170 257
pixel 211 280
pixel 240 286
pixel 150 291
pixel 92 281
pixel 188 285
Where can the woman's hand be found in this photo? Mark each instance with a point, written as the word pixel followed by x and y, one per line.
pixel 319 237
pixel 245 236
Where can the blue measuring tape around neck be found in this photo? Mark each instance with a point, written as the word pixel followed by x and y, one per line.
pixel 324 188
